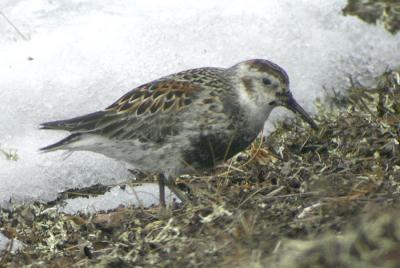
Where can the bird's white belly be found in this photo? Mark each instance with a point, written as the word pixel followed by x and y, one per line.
pixel 147 157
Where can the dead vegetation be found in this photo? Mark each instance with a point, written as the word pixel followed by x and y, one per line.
pixel 385 12
pixel 301 198
pixel 9 154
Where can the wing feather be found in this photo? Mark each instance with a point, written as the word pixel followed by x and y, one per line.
pixel 135 113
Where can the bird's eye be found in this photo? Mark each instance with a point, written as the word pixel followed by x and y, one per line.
pixel 266 81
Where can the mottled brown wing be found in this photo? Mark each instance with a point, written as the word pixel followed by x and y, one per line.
pixel 150 112
pixel 159 96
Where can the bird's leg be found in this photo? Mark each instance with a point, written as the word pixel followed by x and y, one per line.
pixel 172 186
pixel 161 185
pixel 170 183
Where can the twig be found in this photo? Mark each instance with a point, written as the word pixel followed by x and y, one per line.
pixel 252 195
pixel 291 195
pixel 276 191
pixel 13 25
pixel 8 250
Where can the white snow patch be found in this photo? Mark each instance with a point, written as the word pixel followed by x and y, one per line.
pixel 144 195
pixel 71 57
pixel 7 244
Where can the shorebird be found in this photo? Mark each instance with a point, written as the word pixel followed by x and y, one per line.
pixel 184 122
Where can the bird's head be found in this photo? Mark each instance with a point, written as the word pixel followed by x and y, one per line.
pixel 264 85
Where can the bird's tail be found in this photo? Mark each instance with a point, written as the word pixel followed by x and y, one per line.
pixel 62 144
pixel 83 123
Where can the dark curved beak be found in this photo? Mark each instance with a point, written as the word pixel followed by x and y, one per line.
pixel 292 105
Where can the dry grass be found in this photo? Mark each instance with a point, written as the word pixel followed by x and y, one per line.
pixel 384 12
